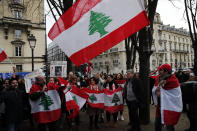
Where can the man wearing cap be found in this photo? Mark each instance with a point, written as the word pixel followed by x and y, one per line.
pixel 169 99
pixel 133 93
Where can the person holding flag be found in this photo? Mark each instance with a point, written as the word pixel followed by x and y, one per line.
pixel 169 99
pixel 121 82
pixel 112 86
pixel 92 111
pixel 45 104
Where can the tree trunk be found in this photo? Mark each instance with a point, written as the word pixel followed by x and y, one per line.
pixel 195 57
pixel 144 59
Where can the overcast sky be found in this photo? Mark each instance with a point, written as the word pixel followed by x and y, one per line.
pixel 170 14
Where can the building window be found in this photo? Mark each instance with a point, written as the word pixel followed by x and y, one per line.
pixel 17 34
pixel 17 14
pixel 170 46
pixel 19 68
pixel 17 1
pixel 169 37
pixel 18 51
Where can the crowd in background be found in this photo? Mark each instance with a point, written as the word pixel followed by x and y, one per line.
pixel 15 107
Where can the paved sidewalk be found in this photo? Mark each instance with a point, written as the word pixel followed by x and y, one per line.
pixel 122 125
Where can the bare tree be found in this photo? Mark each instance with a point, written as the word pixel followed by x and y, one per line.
pixel 59 7
pixel 142 42
pixel 191 11
pixel 130 51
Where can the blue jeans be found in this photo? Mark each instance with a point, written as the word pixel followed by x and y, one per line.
pixel 158 125
pixel 12 127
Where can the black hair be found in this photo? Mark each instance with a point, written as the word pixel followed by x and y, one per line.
pixel 14 79
pixel 94 79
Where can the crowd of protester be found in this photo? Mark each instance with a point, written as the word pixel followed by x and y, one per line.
pixel 15 106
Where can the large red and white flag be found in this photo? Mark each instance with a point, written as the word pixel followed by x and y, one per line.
pixel 95 99
pixel 3 55
pixel 113 100
pixel 90 27
pixel 171 101
pixel 48 107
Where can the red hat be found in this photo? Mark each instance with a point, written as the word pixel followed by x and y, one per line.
pixel 165 67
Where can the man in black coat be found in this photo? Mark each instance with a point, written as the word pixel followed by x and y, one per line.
pixel 133 93
pixel 189 94
pixel 13 99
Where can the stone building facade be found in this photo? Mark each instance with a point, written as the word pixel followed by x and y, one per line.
pixel 19 19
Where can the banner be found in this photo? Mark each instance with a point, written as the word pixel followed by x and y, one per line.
pixel 58 68
pixel 30 79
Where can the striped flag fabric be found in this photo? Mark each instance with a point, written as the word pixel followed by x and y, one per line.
pixel 91 27
pixel 113 100
pixel 95 99
pixel 48 107
pixel 71 106
pixel 3 55
pixel 121 83
pixel 170 100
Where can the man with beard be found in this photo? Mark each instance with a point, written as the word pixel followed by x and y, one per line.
pixel 13 99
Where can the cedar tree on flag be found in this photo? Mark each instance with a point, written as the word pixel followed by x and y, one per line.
pixel 48 107
pixel 96 98
pixel 91 27
pixel 3 55
pixel 113 100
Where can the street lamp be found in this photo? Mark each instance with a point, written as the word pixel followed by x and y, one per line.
pixel 32 44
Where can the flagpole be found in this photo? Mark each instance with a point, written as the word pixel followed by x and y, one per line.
pixel 11 62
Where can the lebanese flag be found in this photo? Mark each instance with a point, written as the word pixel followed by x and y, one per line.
pixel 171 101
pixel 48 107
pixel 87 67
pixel 64 83
pixel 91 27
pixel 113 100
pixel 3 55
pixel 79 96
pixel 95 99
pixel 71 106
pixel 121 83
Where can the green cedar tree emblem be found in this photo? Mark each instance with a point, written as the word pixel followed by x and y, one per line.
pixel 98 22
pixel 75 99
pixel 46 101
pixel 92 98
pixel 115 99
